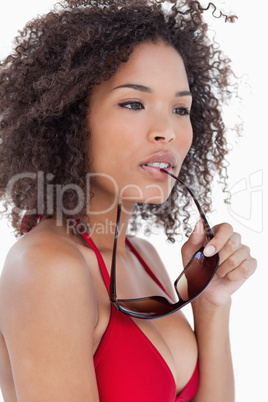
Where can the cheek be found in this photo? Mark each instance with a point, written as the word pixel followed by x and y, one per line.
pixel 101 138
pixel 183 141
pixel 111 140
pixel 189 141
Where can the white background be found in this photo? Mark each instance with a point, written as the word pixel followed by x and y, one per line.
pixel 245 42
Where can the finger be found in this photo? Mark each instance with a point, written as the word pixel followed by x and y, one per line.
pixel 221 235
pixel 243 271
pixel 233 261
pixel 195 241
pixel 232 245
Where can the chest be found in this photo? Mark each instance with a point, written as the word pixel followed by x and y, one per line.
pixel 170 340
pixel 163 353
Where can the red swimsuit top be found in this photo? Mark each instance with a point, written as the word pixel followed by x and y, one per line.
pixel 128 366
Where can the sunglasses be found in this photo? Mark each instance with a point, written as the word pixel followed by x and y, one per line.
pixel 190 284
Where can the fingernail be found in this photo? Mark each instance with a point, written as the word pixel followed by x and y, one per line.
pixel 209 251
pixel 199 228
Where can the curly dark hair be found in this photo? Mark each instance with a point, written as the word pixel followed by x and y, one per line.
pixel 45 87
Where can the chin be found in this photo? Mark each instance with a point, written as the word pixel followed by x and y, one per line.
pixel 148 194
pixel 156 199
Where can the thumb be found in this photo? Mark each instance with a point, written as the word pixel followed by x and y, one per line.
pixel 193 244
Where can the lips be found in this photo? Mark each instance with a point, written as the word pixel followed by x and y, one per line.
pixel 161 160
pixel 157 161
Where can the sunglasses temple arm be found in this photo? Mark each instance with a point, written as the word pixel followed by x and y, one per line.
pixel 204 219
pixel 112 291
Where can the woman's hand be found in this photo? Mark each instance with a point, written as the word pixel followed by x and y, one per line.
pixel 236 264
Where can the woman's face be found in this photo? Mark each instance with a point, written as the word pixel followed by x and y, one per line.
pixel 139 122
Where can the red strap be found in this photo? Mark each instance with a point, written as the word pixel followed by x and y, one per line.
pixel 105 274
pixel 145 265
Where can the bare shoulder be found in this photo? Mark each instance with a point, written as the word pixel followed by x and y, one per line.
pixel 47 297
pixel 43 263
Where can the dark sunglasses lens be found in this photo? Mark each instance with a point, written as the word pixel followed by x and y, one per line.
pixel 196 275
pixel 193 280
pixel 154 306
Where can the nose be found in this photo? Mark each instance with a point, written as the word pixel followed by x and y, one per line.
pixel 162 129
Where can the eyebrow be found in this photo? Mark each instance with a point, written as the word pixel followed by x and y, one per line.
pixel 143 88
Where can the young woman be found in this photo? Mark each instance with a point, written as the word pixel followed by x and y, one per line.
pixel 97 99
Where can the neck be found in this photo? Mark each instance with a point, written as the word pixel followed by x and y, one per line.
pixel 103 225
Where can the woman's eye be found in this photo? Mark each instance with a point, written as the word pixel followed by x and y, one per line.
pixel 132 105
pixel 182 111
